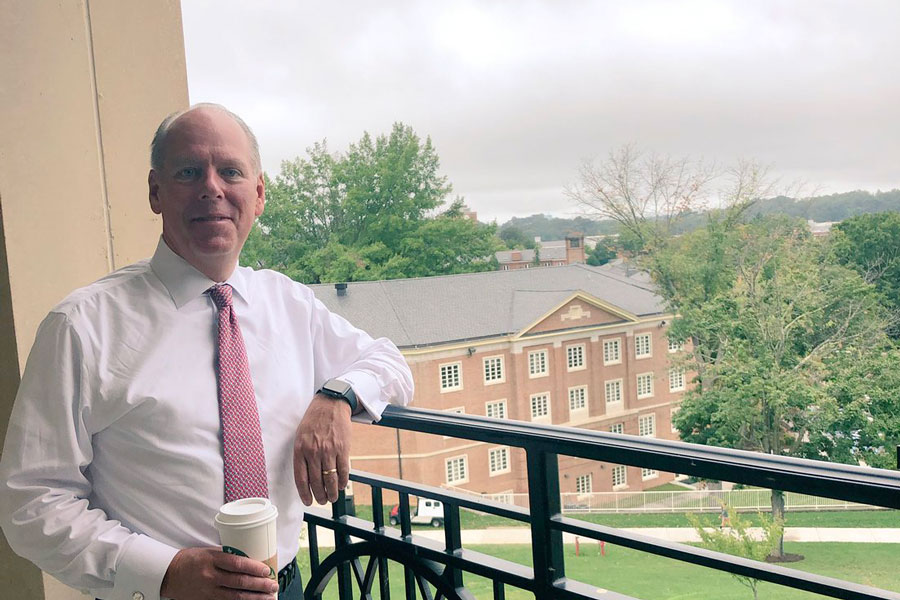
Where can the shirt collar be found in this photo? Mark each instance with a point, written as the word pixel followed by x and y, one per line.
pixel 184 282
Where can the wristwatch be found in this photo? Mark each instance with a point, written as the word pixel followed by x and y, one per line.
pixel 340 390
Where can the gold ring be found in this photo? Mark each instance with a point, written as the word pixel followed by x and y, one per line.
pixel 329 471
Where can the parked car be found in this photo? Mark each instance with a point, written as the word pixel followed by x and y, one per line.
pixel 427 512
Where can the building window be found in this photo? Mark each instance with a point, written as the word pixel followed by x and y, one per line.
pixel 647 425
pixel 575 357
pixel 451 377
pixel 507 497
pixel 675 346
pixel 495 409
pixel 612 352
pixel 584 484
pixel 613 391
pixel 676 380
pixel 617 428
pixel 642 346
pixel 537 363
pixel 645 385
pixel 574 243
pixel 649 474
pixel 504 267
pixel 457 469
pixel 493 370
pixel 498 460
pixel 619 476
pixel 578 398
pixel 540 406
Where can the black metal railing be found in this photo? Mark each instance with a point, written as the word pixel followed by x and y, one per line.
pixel 433 569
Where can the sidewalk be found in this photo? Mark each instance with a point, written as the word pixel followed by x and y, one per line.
pixel 522 535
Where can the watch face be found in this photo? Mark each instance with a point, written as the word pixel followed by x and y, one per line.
pixel 337 386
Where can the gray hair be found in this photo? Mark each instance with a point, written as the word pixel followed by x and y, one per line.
pixel 158 145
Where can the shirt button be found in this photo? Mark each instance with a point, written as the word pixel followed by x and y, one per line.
pixel 137 596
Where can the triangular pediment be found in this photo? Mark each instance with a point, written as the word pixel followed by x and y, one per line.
pixel 577 312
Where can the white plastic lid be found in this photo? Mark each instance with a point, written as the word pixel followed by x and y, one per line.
pixel 247 511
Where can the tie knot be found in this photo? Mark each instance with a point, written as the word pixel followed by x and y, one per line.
pixel 221 295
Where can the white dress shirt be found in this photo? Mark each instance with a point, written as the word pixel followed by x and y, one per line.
pixel 113 459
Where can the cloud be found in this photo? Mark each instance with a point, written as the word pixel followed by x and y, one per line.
pixel 516 94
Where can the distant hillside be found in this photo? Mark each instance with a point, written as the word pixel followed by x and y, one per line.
pixel 834 207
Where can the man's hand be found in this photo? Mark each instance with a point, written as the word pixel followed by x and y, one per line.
pixel 209 573
pixel 322 450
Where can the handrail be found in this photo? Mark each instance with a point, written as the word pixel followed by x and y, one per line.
pixel 443 565
pixel 865 485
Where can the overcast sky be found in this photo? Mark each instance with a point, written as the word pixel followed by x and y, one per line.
pixel 516 94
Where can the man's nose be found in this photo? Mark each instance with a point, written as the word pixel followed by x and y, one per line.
pixel 211 184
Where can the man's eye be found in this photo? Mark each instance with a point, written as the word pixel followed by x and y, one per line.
pixel 187 172
pixel 231 173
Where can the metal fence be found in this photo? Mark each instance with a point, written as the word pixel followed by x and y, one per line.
pixel 434 570
pixel 745 500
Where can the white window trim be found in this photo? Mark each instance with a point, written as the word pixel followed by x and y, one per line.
pixel 508 468
pixel 501 401
pixel 546 371
pixel 649 354
pixel 677 388
pixel 621 399
pixel 583 365
pixel 622 425
pixel 583 409
pixel 543 418
pixel 652 417
pixel 638 385
pixel 612 362
pixel 624 484
pixel 649 476
pixel 502 378
pixel 465 459
pixel 589 477
pixel 444 390
pixel 679 347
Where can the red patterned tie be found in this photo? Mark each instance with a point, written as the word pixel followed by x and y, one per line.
pixel 242 447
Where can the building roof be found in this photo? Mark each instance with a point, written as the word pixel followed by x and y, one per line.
pixel 428 311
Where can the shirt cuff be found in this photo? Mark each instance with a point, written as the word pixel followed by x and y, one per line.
pixel 141 569
pixel 368 394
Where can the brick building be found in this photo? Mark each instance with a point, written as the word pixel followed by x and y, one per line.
pixel 575 346
pixel 570 251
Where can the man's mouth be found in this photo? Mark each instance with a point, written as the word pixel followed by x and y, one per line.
pixel 210 219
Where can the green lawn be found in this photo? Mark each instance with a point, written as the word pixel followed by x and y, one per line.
pixel 645 576
pixel 848 518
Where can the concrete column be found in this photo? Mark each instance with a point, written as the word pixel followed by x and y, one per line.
pixel 85 82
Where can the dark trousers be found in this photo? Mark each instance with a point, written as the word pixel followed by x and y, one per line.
pixel 294 590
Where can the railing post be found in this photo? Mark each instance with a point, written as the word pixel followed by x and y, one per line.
pixel 452 542
pixel 546 542
pixel 345 585
pixel 384 584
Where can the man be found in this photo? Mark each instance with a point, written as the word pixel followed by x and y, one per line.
pixel 117 456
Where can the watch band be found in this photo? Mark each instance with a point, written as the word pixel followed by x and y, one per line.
pixel 341 390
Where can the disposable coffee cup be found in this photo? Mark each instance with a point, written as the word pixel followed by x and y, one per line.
pixel 247 528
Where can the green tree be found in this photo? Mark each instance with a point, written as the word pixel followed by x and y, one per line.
pixel 870 244
pixel 515 238
pixel 600 255
pixel 739 540
pixel 770 317
pixel 373 212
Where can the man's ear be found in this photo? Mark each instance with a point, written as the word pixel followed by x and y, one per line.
pixel 153 186
pixel 260 195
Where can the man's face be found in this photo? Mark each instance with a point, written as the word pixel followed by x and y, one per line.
pixel 207 190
